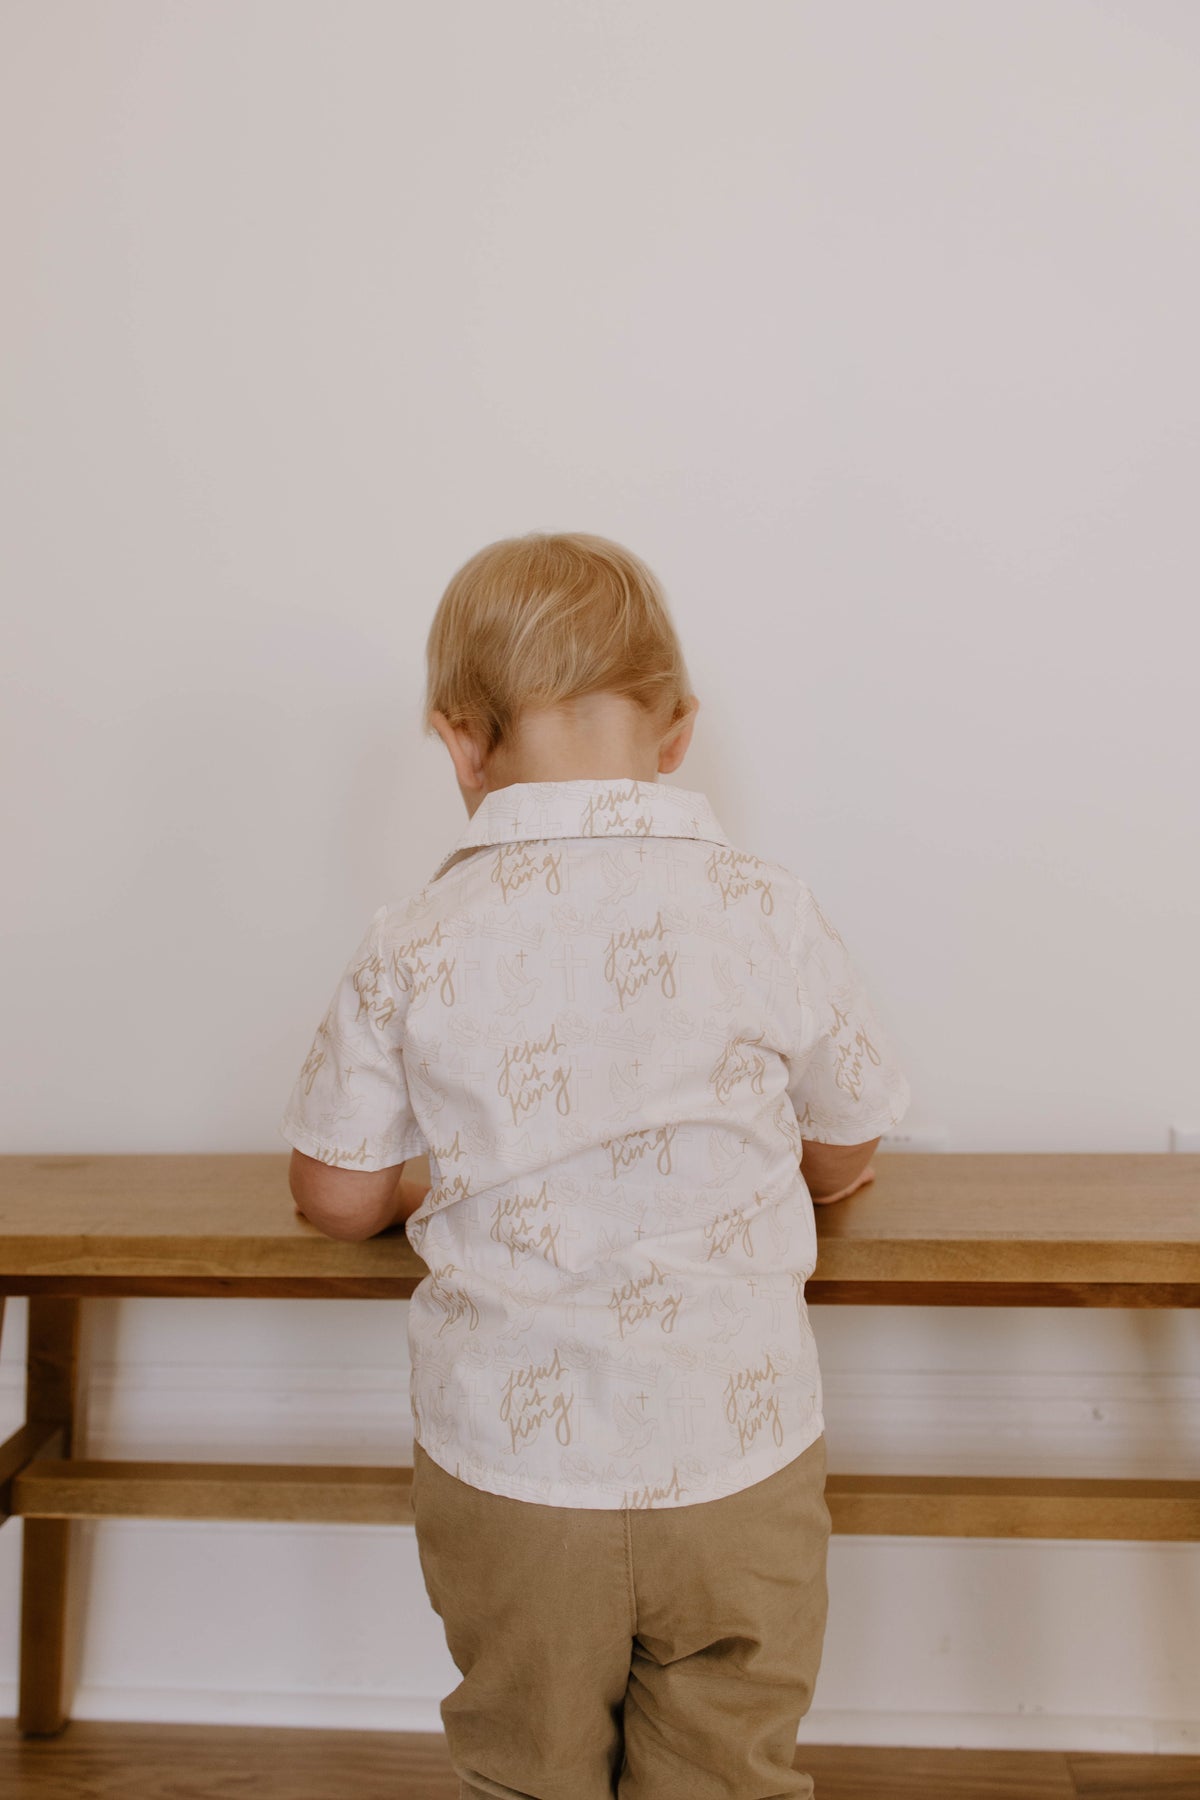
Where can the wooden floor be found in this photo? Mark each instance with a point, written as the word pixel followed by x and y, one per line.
pixel 91 1760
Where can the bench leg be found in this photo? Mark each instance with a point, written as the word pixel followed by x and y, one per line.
pixel 50 1383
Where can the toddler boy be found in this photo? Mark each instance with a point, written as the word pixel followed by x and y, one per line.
pixel 634 1055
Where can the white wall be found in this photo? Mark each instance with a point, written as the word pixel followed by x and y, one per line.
pixel 872 328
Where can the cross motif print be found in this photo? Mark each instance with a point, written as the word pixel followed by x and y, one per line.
pixel 475 1399
pixel 782 975
pixel 471 965
pixel 668 864
pixel 684 1405
pixel 568 959
pixel 678 1064
pixel 544 813
pixel 684 961
pixel 580 1073
pixel 466 1067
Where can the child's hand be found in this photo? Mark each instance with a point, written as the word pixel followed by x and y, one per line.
pixel 867 1175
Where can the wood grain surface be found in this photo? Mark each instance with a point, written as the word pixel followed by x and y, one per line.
pixel 959 1229
pixel 106 1760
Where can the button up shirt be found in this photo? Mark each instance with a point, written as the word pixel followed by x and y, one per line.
pixel 609 1029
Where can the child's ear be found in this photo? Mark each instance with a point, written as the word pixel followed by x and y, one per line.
pixel 465 754
pixel 674 746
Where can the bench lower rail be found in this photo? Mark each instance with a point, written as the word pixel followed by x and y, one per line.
pixel 876 1505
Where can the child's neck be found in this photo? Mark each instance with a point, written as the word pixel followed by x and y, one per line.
pixel 600 737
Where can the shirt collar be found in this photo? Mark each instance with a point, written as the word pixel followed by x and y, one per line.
pixel 612 807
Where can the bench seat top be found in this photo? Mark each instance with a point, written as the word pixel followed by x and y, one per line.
pixel 954 1228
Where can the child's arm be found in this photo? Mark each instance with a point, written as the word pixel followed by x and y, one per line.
pixel 412 1187
pixel 349 1118
pixel 843 1074
pixel 832 1171
pixel 354 1204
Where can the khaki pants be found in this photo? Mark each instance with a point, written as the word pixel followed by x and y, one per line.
pixel 662 1653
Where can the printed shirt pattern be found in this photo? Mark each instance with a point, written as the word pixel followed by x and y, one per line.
pixel 610 1030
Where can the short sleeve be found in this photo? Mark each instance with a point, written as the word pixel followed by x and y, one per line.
pixel 350 1103
pixel 844 1080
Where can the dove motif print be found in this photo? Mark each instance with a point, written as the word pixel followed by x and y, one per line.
pixel 610 1030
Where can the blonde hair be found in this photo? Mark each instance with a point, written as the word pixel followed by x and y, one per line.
pixel 539 620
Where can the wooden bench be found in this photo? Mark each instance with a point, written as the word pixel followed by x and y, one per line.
pixel 935 1230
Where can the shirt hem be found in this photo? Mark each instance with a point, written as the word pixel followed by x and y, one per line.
pixel 565 1494
pixel 311 1145
pixel 862 1130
